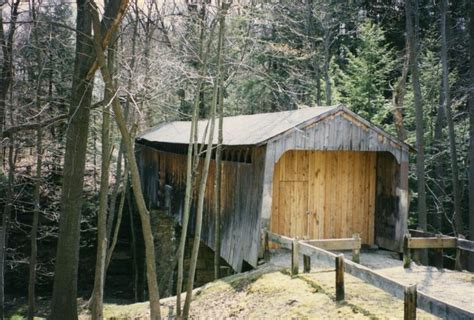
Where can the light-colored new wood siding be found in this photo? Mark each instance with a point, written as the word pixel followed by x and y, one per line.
pixel 324 194
pixel 338 132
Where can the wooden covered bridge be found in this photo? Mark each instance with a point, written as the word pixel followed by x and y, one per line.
pixel 321 173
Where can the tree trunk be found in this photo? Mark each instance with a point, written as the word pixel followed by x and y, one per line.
pixel 449 119
pixel 102 240
pixel 399 95
pixel 191 161
pixel 439 161
pixel 327 60
pixel 471 130
pixel 36 197
pixel 6 72
pixel 5 224
pixel 312 41
pixel 203 179
pixel 136 184
pixel 220 138
pixel 64 304
pixel 217 185
pixel 119 220
pixel 412 34
pixel 34 226
pixel 118 172
pixel 134 243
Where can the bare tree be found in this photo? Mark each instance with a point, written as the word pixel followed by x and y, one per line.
pixel 34 226
pixel 6 70
pixel 449 119
pixel 37 181
pixel 135 177
pixel 64 304
pixel 102 240
pixel 205 170
pixel 220 140
pixel 412 34
pixel 400 91
pixel 7 211
pixel 471 128
pixel 191 165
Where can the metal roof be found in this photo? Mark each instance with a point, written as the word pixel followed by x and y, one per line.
pixel 237 130
pixel 248 129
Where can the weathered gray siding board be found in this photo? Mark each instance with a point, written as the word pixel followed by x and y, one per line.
pixel 387 213
pixel 242 184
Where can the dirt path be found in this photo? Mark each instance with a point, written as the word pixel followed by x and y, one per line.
pixel 456 288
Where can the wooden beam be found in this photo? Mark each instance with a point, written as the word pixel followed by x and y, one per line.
pixel 432 243
pixel 420 233
pixel 284 242
pixel 374 278
pixel 336 244
pixel 319 254
pixel 440 308
pixel 466 245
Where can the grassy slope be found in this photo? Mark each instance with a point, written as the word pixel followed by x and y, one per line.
pixel 271 293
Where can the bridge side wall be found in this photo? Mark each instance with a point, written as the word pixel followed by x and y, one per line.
pixel 165 173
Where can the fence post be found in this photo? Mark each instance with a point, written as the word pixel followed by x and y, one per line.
pixel 356 251
pixel 438 255
pixel 266 247
pixel 406 252
pixel 306 264
pixel 340 277
pixel 295 261
pixel 458 262
pixel 409 306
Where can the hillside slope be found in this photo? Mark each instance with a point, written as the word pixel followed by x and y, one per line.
pixel 270 293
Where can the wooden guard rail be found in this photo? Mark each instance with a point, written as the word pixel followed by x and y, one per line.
pixel 412 297
pixel 425 240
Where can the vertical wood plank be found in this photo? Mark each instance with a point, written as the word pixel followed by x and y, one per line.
pixel 311 221
pixel 372 171
pixel 356 193
pixel 350 194
pixel 321 208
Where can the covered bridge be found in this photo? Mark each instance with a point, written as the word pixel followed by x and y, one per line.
pixel 320 173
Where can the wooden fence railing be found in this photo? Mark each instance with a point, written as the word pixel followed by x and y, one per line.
pixel 412 297
pixel 424 240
